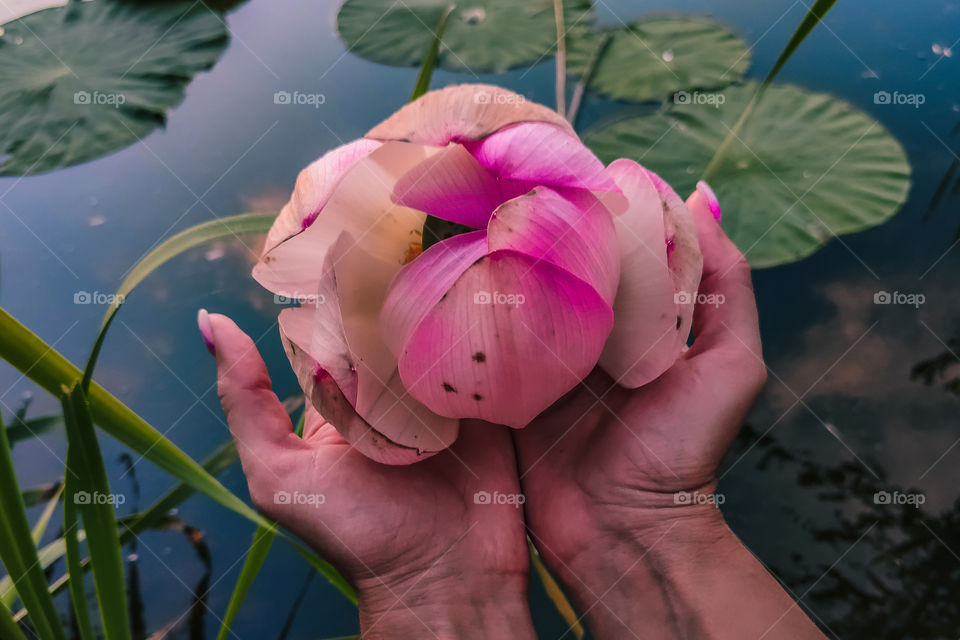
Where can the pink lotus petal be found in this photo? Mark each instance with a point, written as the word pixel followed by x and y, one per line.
pixel 313 189
pixel 547 226
pixel 424 282
pixel 685 260
pixel 452 185
pixel 362 279
pixel 361 205
pixel 325 347
pixel 462 112
pixel 511 336
pixel 541 153
pixel 646 337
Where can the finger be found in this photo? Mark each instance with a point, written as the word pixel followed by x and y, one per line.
pixel 725 318
pixel 258 422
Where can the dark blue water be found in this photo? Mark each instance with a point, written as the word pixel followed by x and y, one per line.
pixel 840 402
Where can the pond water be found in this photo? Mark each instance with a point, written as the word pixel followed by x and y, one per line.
pixel 843 416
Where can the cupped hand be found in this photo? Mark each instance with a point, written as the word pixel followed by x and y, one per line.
pixel 617 460
pixel 425 556
pixel 620 482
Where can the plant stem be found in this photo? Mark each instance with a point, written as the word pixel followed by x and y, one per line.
pixel 561 57
pixel 581 87
pixel 430 59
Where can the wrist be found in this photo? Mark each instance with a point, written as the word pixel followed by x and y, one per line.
pixel 453 606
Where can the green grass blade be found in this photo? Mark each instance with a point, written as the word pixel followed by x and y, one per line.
pixel 259 548
pixel 40 526
pixel 22 430
pixel 70 545
pixel 430 59
pixel 97 513
pixel 243 224
pixel 19 554
pixel 8 628
pixel 555 593
pixel 40 495
pixel 815 14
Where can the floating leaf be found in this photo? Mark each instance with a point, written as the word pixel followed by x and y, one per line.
pixel 480 36
pixel 653 59
pixel 81 81
pixel 804 168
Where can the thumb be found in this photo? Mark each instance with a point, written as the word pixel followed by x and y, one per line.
pixel 258 423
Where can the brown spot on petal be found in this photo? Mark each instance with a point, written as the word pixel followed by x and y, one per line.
pixel 449 388
pixel 679 321
pixel 479 356
pixel 477 397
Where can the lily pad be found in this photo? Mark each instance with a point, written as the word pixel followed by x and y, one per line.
pixel 804 168
pixel 81 81
pixel 655 58
pixel 480 35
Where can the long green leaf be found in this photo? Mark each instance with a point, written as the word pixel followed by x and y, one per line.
pixel 96 509
pixel 259 548
pixel 8 628
pixel 40 526
pixel 814 15
pixel 243 224
pixel 70 545
pixel 430 59
pixel 19 554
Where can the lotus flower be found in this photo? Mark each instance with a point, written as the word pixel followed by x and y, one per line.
pixel 471 258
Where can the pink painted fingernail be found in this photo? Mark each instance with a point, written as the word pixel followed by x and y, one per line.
pixel 203 322
pixel 711 197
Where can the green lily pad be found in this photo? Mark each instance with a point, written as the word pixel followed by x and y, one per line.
pixel 480 35
pixel 804 168
pixel 81 81
pixel 653 59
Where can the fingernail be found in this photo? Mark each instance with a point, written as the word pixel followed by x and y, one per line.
pixel 203 322
pixel 711 197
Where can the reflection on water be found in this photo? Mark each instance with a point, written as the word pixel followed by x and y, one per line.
pixel 862 398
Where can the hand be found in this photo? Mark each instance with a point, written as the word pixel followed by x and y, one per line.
pixel 619 482
pixel 426 559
